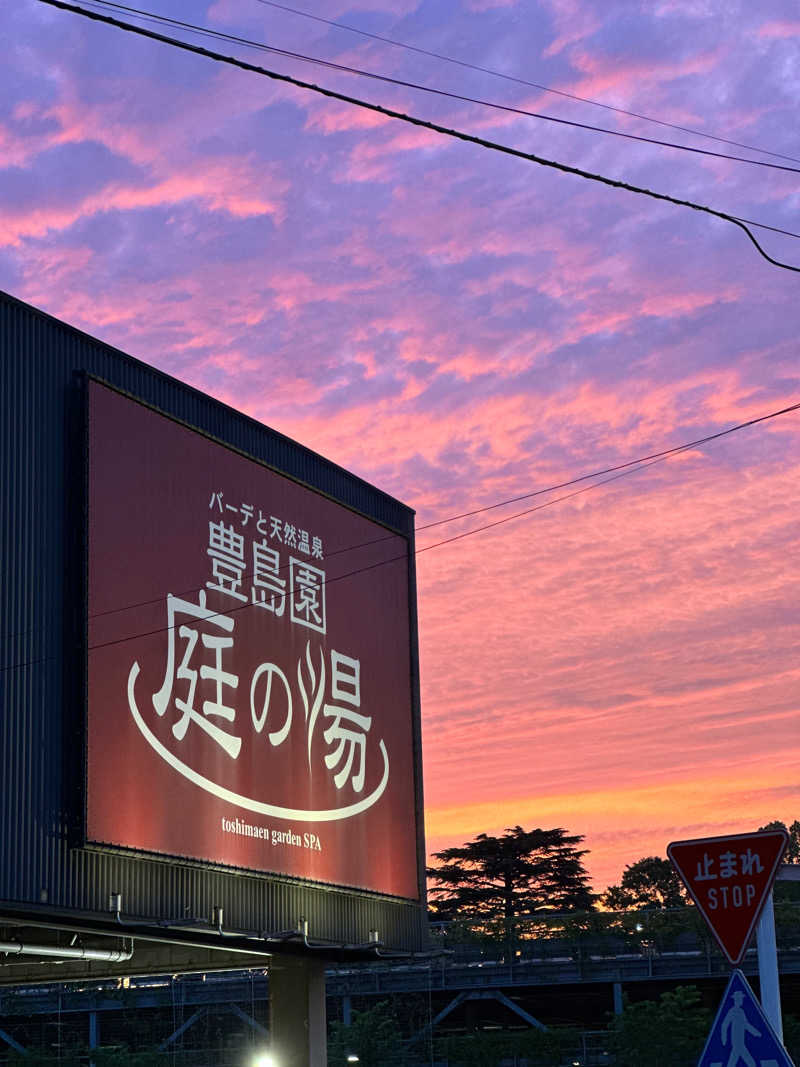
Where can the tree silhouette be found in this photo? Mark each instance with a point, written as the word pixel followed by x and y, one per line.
pixel 792 854
pixel 787 892
pixel 650 882
pixel 520 873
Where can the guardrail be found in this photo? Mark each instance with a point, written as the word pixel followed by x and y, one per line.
pixel 554 950
pixel 496 974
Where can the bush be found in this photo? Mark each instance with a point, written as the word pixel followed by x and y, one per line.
pixel 541 1048
pixel 667 1033
pixel 791 1036
pixel 373 1036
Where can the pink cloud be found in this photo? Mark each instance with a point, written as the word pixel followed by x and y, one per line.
pixel 781 29
pixel 706 806
pixel 603 75
pixel 233 186
pixel 684 571
pixel 294 289
pixel 335 117
pixel 489 5
pixel 372 160
pixel 573 22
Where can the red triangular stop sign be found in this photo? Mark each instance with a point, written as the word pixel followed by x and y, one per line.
pixel 729 879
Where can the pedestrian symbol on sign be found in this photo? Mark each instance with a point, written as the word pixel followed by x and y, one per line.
pixel 736 1026
pixel 741 1035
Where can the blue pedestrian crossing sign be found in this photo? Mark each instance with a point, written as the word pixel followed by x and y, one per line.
pixel 741 1035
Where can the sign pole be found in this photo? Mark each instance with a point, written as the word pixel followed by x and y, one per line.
pixel 768 967
pixel 730 879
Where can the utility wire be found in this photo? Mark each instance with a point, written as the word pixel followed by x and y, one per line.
pixel 350 574
pixel 631 463
pixel 156 19
pixel 523 81
pixel 621 470
pixel 640 461
pixel 764 226
pixel 620 466
pixel 404 555
pixel 422 123
pixel 540 507
pixel 203 31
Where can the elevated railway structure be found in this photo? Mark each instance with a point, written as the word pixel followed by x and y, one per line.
pixel 477 984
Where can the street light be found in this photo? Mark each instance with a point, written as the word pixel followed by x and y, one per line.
pixel 265 1059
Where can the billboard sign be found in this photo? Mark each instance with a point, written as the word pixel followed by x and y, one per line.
pixel 249 663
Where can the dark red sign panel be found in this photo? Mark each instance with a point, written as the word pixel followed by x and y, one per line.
pixel 249 663
pixel 729 878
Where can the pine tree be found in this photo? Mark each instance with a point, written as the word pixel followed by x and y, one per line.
pixel 523 872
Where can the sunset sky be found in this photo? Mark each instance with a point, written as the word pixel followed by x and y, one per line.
pixel 461 327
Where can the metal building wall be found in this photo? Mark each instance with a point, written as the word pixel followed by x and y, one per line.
pixel 43 869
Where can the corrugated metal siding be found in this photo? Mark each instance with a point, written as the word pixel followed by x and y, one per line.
pixel 41 658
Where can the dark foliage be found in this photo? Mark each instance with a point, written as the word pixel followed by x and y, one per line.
pixel 791 1036
pixel 668 1033
pixel 787 891
pixel 373 1036
pixel 650 882
pixel 520 873
pixel 793 850
pixel 536 1047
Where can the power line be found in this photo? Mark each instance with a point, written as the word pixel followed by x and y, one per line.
pixel 632 463
pixel 540 507
pixel 339 577
pixel 618 471
pixel 764 226
pixel 418 552
pixel 620 466
pixel 523 81
pixel 422 123
pixel 156 19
